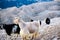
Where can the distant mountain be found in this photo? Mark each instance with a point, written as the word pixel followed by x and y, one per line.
pixel 35 11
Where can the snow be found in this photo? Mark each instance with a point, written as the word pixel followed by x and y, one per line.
pixel 54 8
pixel 33 11
pixel 36 11
pixel 47 13
pixel 50 31
pixel 57 0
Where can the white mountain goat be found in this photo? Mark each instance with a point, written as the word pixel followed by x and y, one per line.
pixel 28 27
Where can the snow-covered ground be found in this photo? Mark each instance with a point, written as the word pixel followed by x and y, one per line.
pixel 51 31
pixel 46 32
pixel 35 11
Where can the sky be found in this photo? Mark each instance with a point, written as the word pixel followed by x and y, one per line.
pixel 18 3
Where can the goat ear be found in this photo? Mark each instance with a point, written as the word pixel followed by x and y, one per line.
pixel 16 20
pixel 40 22
pixel 47 21
pixel 1 27
pixel 32 20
